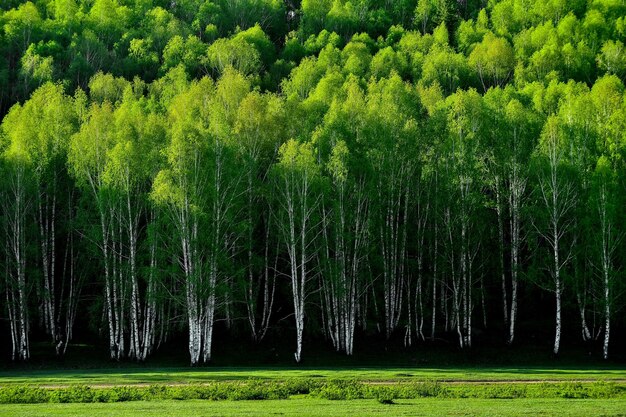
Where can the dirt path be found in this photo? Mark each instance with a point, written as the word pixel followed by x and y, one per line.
pixel 501 381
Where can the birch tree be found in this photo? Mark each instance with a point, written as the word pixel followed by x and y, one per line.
pixel 605 198
pixel 87 159
pixel 198 190
pixel 493 59
pixel 130 166
pixel 344 245
pixel 465 115
pixel 17 203
pixel 296 180
pixel 389 132
pixel 523 129
pixel 181 190
pixel 607 240
pixel 514 129
pixel 345 242
pixel 557 195
pixel 48 120
pixel 228 185
pixel 259 130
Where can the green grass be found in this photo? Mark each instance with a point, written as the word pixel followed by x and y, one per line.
pixel 187 375
pixel 307 407
pixel 329 392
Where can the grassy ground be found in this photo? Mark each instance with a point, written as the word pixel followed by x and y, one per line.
pixel 187 375
pixel 468 388
pixel 315 407
pixel 480 382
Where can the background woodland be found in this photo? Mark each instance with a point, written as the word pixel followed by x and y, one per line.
pixel 325 169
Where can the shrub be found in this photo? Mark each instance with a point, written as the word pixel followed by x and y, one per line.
pixel 428 389
pixel 297 386
pixel 504 391
pixel 125 393
pixel 23 394
pixel 602 389
pixel 340 390
pixel 258 390
pixel 384 395
pixel 158 392
pixel 73 394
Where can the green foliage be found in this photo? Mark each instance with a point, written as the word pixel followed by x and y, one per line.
pixel 196 120
pixel 385 397
pixel 220 391
pixel 23 395
pixel 234 53
pixel 493 60
pixel 341 390
pixel 446 68
pixel 75 394
pixel 612 58
pixel 432 13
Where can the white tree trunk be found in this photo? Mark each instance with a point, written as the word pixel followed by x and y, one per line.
pixel 607 319
pixel 16 207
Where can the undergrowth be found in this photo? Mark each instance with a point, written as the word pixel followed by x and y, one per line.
pixel 336 389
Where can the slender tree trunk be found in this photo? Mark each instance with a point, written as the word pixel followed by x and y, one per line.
pixel 608 249
pixel 435 265
pixel 582 309
pixel 607 318
pixel 557 335
pixel 559 196
pixel 16 207
pixel 517 187
pixel 499 211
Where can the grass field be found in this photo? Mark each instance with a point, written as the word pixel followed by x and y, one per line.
pixel 187 375
pixel 313 407
pixel 463 391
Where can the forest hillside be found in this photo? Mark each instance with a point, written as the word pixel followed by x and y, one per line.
pixel 322 171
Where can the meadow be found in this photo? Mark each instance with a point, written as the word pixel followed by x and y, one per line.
pixel 308 407
pixel 365 391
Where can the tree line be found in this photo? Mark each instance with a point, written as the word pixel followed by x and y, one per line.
pixel 405 168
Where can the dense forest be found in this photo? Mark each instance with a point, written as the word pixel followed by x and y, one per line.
pixel 409 170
